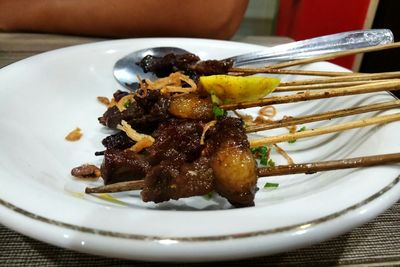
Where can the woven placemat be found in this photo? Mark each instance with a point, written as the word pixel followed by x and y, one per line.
pixel 377 243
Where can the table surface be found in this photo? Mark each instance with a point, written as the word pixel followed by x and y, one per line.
pixel 376 243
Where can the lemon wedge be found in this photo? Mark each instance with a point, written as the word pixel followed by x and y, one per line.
pixel 233 89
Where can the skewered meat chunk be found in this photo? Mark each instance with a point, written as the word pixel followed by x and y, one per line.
pixel 123 165
pixel 191 106
pixel 179 140
pixel 119 94
pixel 119 140
pixel 175 165
pixel 190 64
pixel 233 164
pixel 144 114
pixel 176 139
pixel 212 67
pixel 112 117
pixel 163 66
pixel 173 180
pixel 235 174
pixel 227 166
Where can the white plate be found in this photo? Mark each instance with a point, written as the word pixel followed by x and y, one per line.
pixel 46 96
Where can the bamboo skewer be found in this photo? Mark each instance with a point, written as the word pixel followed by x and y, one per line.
pixel 307 168
pixel 304 96
pixel 313 167
pixel 347 78
pixel 334 55
pixel 117 187
pixel 319 86
pixel 247 71
pixel 325 130
pixel 322 116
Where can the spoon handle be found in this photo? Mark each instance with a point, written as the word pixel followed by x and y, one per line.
pixel 317 46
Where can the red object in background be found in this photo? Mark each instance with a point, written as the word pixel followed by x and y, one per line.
pixel 302 19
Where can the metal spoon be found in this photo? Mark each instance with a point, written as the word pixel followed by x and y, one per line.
pixel 126 70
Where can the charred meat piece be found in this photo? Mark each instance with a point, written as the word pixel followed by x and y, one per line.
pixel 119 140
pixel 228 167
pixel 232 162
pixel 119 94
pixel 212 67
pixel 143 114
pixel 155 106
pixel 147 100
pixel 176 165
pixel 86 171
pixel 176 139
pixel 112 117
pixel 191 106
pixel 163 66
pixel 174 180
pixel 123 165
pixel 235 174
pixel 190 64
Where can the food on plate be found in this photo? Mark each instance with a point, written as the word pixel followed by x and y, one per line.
pixel 169 134
pixel 184 157
pixel 189 64
pixel 173 137
pixel 74 135
pixel 104 100
pixel 233 89
pixel 86 171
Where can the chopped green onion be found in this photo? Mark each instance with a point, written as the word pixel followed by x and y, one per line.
pixel 261 149
pixel 302 129
pixel 208 196
pixel 217 111
pixel 264 160
pixel 127 103
pixel 270 163
pixel 271 185
pixel 262 153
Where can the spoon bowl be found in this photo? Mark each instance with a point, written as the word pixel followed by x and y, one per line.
pixel 126 70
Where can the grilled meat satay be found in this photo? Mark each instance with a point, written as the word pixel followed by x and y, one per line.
pixel 145 114
pixel 190 64
pixel 177 165
pixel 173 179
pixel 123 165
pixel 232 162
pixel 176 139
pixel 226 167
pixel 191 106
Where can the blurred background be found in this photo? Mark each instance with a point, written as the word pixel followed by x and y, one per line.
pixel 302 19
pixel 28 27
pixel 259 19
